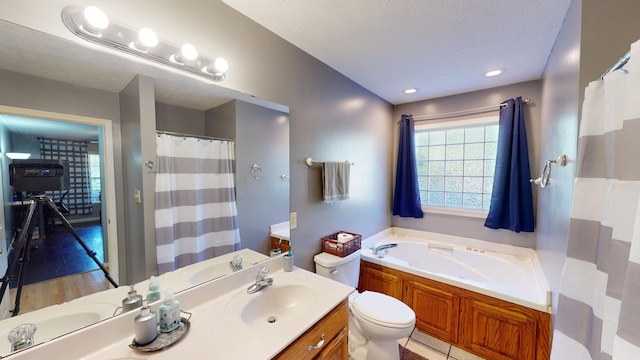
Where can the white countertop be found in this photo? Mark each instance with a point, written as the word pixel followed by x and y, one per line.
pixel 280 230
pixel 56 320
pixel 215 333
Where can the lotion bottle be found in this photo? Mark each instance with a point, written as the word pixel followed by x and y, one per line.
pixel 145 325
pixel 169 312
pixel 154 293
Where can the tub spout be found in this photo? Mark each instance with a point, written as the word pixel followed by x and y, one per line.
pixel 377 251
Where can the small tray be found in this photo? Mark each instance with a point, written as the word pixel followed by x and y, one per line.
pixel 164 340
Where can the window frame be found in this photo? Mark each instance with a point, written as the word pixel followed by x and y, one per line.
pixel 91 178
pixel 450 124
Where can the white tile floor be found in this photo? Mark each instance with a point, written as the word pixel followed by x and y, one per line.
pixel 434 349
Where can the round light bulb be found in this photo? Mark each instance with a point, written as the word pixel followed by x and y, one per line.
pixel 147 37
pixel 96 18
pixel 221 66
pixel 189 52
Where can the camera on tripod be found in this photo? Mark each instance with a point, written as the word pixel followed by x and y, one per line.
pixel 38 175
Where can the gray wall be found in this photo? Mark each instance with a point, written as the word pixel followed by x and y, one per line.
pixel 331 118
pixel 468 226
pixel 262 138
pixel 138 120
pixel 179 119
pixel 559 121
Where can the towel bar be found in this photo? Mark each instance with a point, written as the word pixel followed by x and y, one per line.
pixel 309 161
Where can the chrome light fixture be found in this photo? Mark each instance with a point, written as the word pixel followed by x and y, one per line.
pixel 93 25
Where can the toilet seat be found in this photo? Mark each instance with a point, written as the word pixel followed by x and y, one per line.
pixel 383 310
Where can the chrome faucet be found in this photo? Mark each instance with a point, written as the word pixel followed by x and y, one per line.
pixel 377 251
pixel 261 281
pixel 236 263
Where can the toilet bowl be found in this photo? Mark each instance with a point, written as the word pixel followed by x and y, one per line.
pixel 376 321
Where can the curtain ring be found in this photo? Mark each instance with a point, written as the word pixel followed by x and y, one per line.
pixel 256 172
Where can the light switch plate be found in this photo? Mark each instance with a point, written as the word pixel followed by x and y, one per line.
pixel 293 220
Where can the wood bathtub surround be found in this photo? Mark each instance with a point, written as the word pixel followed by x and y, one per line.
pixel 488 327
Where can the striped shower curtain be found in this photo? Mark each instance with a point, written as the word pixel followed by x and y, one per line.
pixel 196 215
pixel 598 316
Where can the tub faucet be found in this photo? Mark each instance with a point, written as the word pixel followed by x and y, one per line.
pixel 261 281
pixel 378 249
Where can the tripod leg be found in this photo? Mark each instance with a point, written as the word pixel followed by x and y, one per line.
pixel 91 253
pixel 20 252
pixel 21 274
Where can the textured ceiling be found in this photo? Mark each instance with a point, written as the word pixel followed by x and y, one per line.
pixel 442 47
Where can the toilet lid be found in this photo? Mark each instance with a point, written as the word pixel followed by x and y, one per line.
pixel 383 310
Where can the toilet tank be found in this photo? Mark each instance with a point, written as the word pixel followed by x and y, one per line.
pixel 343 269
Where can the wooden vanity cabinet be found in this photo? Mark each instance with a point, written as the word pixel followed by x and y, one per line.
pixel 488 327
pixel 276 243
pixel 334 328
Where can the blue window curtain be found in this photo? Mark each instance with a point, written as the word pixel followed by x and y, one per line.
pixel 511 200
pixel 406 199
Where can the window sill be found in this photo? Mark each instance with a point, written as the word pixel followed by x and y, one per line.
pixel 480 214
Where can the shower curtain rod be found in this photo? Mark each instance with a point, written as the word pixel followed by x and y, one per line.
pixel 193 136
pixel 462 112
pixel 618 65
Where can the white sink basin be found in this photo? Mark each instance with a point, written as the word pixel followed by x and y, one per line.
pixel 209 273
pixel 56 322
pixel 274 305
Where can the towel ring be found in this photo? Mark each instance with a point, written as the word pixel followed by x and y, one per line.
pixel 256 172
pixel 543 181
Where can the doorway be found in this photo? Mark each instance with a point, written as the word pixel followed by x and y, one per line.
pixel 80 126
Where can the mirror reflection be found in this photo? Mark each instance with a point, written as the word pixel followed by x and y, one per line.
pixel 74 98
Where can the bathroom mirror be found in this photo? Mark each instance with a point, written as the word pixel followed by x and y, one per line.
pixel 49 62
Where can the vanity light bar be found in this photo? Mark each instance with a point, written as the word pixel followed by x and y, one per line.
pixel 119 37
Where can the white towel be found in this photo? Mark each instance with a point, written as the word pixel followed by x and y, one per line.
pixel 335 181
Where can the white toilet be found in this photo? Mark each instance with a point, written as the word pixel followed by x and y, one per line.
pixel 376 321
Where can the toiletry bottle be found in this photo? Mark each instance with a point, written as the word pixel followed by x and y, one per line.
pixel 145 325
pixel 154 290
pixel 169 312
pixel 132 301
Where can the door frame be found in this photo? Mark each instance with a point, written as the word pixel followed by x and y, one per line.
pixel 108 185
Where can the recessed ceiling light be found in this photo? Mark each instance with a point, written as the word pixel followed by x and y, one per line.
pixel 494 73
pixel 410 91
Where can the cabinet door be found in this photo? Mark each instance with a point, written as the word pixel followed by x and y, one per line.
pixel 314 341
pixel 497 331
pixel 374 277
pixel 437 310
pixel 338 349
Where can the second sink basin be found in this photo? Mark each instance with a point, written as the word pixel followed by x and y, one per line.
pixel 274 305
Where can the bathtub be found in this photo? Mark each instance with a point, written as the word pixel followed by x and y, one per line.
pixel 513 275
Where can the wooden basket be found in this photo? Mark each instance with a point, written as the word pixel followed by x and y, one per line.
pixel 331 245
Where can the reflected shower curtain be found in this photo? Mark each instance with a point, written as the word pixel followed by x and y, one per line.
pixel 598 316
pixel 196 215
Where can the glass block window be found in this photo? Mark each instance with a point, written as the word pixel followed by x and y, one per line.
pixel 456 162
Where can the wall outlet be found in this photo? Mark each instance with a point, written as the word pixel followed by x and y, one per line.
pixel 293 220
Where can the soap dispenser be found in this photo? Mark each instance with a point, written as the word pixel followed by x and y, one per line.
pixel 169 312
pixel 154 290
pixel 132 301
pixel 145 325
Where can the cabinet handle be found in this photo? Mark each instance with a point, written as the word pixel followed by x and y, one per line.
pixel 320 343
